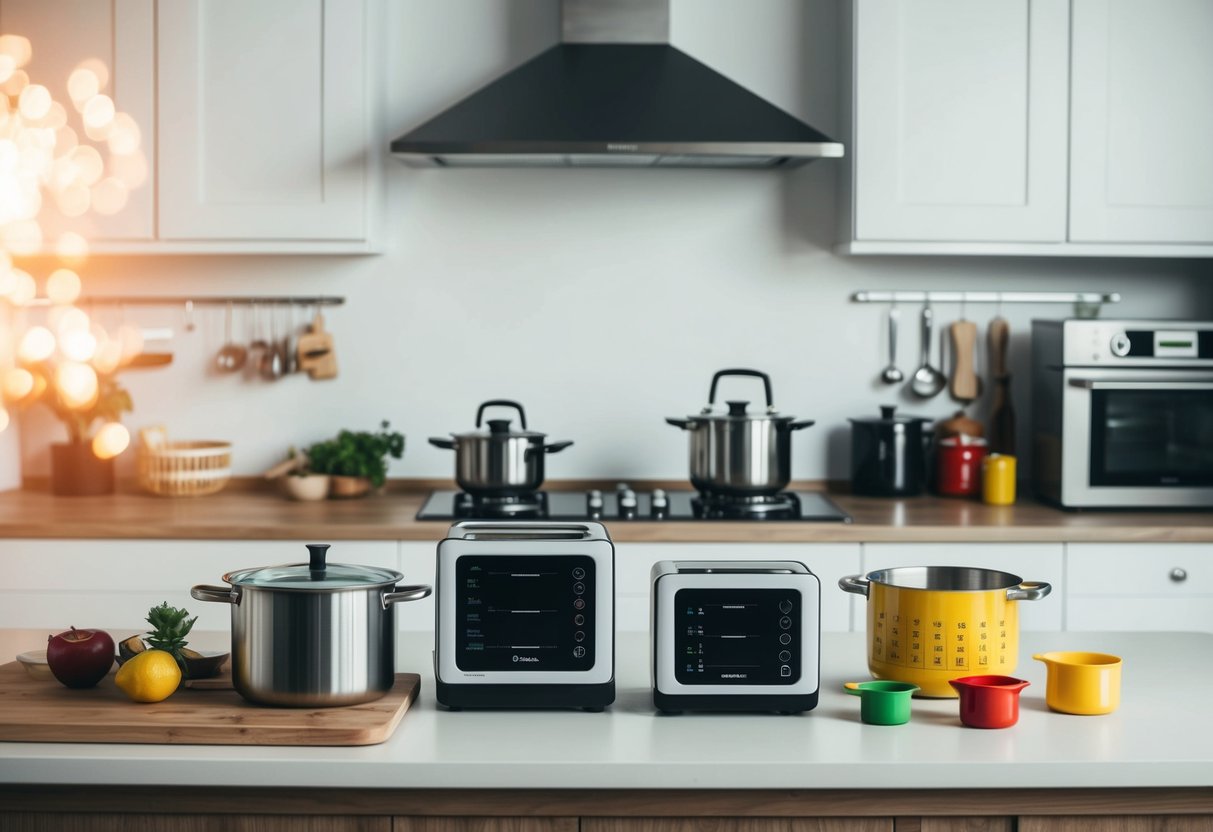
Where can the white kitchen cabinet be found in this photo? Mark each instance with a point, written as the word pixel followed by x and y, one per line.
pixel 960 120
pixel 1028 127
pixel 1139 586
pixel 113 583
pixel 1030 561
pixel 1141 117
pixel 828 561
pixel 122 35
pixel 265 114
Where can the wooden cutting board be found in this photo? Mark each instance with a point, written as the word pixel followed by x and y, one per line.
pixel 33 710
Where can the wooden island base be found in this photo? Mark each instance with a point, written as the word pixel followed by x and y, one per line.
pixel 65 808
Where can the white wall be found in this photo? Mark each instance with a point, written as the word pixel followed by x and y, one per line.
pixel 602 299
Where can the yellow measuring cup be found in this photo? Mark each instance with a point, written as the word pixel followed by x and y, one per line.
pixel 1080 682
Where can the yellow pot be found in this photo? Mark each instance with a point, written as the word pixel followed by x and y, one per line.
pixel 928 625
pixel 1082 683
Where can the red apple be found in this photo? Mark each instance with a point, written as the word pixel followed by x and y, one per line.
pixel 80 658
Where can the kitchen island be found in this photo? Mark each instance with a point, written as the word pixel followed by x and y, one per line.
pixel 545 770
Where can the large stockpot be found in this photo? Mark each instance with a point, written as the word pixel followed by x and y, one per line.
pixel 739 453
pixel 312 634
pixel 501 462
pixel 930 624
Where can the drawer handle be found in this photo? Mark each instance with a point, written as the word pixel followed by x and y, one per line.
pixel 1179 575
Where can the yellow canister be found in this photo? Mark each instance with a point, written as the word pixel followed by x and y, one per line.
pixel 998 480
pixel 928 625
pixel 1082 683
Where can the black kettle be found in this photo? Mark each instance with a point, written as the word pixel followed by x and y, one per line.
pixel 889 455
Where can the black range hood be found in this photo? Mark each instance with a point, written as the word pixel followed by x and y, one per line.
pixel 610 96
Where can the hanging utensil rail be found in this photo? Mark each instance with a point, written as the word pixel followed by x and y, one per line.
pixel 1077 298
pixel 203 300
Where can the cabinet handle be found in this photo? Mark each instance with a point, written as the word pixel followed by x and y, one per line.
pixel 1179 575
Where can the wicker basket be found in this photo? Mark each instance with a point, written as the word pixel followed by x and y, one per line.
pixel 184 469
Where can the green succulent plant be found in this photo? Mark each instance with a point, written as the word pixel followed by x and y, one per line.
pixel 169 629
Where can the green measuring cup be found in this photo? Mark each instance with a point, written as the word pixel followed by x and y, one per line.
pixel 883 703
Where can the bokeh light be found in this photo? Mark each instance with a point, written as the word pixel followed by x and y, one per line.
pixel 63 286
pixel 111 440
pixel 77 384
pixel 38 344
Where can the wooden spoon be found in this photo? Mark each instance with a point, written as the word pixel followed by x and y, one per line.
pixel 964 376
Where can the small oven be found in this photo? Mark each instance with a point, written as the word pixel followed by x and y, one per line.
pixel 1123 413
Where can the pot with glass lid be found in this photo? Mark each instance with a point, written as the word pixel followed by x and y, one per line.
pixel 501 462
pixel 313 634
pixel 739 453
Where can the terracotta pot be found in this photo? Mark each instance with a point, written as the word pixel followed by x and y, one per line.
pixel 77 472
pixel 348 487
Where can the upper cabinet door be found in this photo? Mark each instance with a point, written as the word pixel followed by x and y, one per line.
pixel 264 110
pixel 1142 115
pixel 960 120
pixel 120 33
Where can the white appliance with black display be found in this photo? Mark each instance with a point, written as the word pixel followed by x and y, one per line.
pixel 525 615
pixel 735 636
pixel 1123 413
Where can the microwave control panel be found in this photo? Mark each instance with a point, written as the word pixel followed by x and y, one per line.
pixel 525 613
pixel 737 636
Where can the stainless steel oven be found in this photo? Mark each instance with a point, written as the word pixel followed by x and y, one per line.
pixel 1123 413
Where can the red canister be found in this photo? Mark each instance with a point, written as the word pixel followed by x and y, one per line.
pixel 958 466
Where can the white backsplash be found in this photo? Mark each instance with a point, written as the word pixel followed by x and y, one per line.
pixel 603 300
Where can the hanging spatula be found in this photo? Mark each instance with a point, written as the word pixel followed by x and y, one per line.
pixel 964 374
pixel 1002 414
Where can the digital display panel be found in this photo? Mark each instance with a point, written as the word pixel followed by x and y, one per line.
pixel 532 612
pixel 737 636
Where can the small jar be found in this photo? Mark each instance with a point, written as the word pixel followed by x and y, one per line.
pixel 958 466
pixel 998 480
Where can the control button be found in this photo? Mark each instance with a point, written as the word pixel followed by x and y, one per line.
pixel 578 573
pixel 785 655
pixel 579 604
pixel 785 607
pixel 579 636
pixel 579 588
pixel 1120 345
pixel 578 619
pixel 785 670
pixel 578 652
pixel 785 623
pixel 785 638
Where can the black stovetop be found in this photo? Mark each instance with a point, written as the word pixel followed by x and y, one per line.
pixel 792 506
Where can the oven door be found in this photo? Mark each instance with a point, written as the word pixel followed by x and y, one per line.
pixel 1142 438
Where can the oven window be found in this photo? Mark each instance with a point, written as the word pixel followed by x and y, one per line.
pixel 1152 437
pixel 535 612
pixel 737 636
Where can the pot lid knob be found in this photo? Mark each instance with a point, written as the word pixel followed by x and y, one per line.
pixel 497 426
pixel 887 411
pixel 737 408
pixel 316 565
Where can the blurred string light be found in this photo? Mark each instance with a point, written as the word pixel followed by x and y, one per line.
pixel 69 157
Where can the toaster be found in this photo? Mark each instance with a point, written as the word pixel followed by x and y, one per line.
pixel 735 636
pixel 525 615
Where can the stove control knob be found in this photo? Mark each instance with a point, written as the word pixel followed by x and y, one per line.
pixel 660 503
pixel 593 504
pixel 1120 345
pixel 627 503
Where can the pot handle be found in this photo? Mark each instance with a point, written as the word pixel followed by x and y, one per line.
pixel 442 442
pixel 556 447
pixel 766 383
pixel 401 594
pixel 219 594
pixel 501 403
pixel 801 425
pixel 685 424
pixel 1029 591
pixel 855 584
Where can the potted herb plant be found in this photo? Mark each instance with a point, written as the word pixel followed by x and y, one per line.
pixel 84 465
pixel 356 461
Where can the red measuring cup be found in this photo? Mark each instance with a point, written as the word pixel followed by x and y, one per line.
pixel 989 701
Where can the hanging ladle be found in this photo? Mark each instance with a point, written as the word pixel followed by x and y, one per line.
pixel 927 381
pixel 231 355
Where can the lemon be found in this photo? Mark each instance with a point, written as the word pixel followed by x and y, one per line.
pixel 150 676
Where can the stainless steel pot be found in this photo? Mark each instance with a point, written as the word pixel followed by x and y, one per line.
pixel 312 634
pixel 738 452
pixel 501 462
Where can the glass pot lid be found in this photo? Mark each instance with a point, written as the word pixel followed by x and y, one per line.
pixel 314 575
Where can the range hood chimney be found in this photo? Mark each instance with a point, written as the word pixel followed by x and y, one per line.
pixel 614 93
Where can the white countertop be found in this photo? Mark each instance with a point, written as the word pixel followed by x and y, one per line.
pixel 1161 736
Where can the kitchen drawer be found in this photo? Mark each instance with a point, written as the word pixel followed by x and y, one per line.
pixel 1104 613
pixel 1031 561
pixel 1140 569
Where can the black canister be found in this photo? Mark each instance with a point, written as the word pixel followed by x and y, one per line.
pixel 888 455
